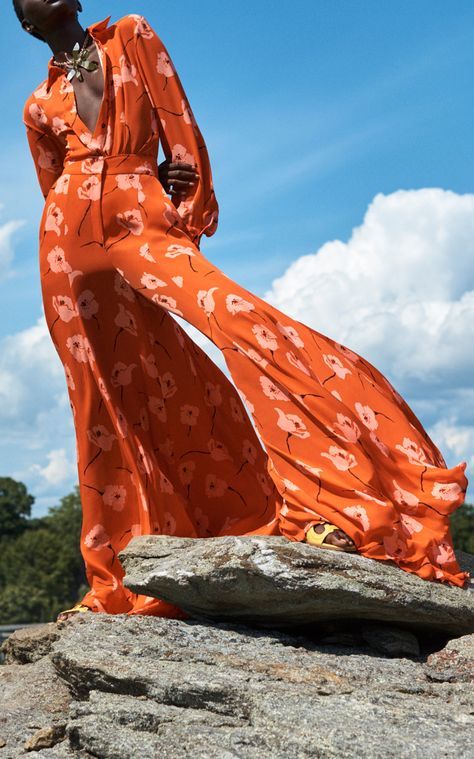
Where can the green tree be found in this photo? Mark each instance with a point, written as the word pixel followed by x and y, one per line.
pixel 462 528
pixel 15 507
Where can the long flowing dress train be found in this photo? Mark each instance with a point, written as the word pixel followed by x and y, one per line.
pixel 164 439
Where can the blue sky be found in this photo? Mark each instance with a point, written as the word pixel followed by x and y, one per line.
pixel 310 111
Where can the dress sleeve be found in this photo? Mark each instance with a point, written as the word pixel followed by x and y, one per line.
pixel 47 152
pixel 180 135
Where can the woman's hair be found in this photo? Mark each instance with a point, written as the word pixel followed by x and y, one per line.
pixel 20 15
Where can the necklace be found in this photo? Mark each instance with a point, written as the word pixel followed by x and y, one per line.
pixel 77 60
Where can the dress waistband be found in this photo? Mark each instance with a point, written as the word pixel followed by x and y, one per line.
pixel 120 163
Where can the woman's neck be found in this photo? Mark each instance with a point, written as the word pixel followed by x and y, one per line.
pixel 65 38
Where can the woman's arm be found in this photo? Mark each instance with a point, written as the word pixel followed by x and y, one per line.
pixel 180 135
pixel 46 150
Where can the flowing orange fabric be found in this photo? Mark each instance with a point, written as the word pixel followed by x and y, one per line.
pixel 164 441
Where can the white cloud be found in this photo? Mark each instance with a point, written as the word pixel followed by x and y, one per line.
pixel 400 292
pixel 6 248
pixel 59 470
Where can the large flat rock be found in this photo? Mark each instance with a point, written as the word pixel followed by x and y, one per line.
pixel 274 582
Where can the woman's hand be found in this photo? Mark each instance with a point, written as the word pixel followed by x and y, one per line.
pixel 177 177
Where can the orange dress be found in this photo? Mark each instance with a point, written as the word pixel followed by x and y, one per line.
pixel 164 441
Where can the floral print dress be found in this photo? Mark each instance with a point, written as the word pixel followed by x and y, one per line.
pixel 165 442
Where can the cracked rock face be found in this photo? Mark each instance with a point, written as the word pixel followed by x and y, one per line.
pixel 271 581
pixel 147 687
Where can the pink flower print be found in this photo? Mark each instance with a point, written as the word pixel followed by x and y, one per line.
pixel 359 513
pixel 169 526
pixel 62 184
pixel 38 114
pixel 235 304
pixel 215 487
pixel 415 454
pixel 167 302
pixel 144 462
pixel 367 416
pixel 122 423
pixel 54 219
pixel 271 390
pixel 47 159
pixel 89 351
pixel 292 425
pixel 90 189
pixel 122 374
pixel 404 497
pixel 97 538
pixel 58 125
pixel 157 407
pixel 291 334
pixel 395 547
pixel 186 471
pixel 64 307
pixel 253 355
pixel 131 220
pixel 142 29
pixel 115 496
pixel 346 352
pixel 168 385
pixel 189 415
pixel 150 282
pixel 179 334
pixel 100 436
pixel 336 395
pixel 166 448
pixel 202 522
pixel 342 460
pixel 442 552
pixel 69 378
pixel 297 363
pixel 65 86
pixel 164 65
pixel 175 250
pixel 206 301
pixel 149 365
pixel 338 369
pixel 245 400
pixel 218 450
pixel 165 485
pixel 127 70
pixel 42 93
pixel 144 251
pixel 368 497
pixel 87 304
pixel 265 337
pixel 235 410
pixel 264 483
pixel 313 469
pixel 447 491
pixel 76 345
pixel 212 394
pixel 178 280
pixel 350 430
pixel 92 165
pixel 122 287
pixel 125 320
pixel 289 485
pixel 180 153
pixel 410 525
pixel 103 389
pixel 57 260
pixel 188 116
pixel 380 445
pixel 249 452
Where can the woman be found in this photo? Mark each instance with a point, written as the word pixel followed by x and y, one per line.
pixel 164 443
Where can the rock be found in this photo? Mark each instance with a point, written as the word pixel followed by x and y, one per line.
pixel 46 737
pixel 390 640
pixel 138 686
pixel 273 582
pixel 28 644
pixel 34 703
pixel 454 663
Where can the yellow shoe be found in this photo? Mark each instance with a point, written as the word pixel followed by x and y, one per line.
pixel 317 538
pixel 77 607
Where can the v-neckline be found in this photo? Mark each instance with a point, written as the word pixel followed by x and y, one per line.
pixel 104 93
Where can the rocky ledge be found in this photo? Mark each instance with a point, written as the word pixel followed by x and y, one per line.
pixel 340 682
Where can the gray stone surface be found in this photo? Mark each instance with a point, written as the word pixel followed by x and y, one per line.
pixel 122 687
pixel 271 581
